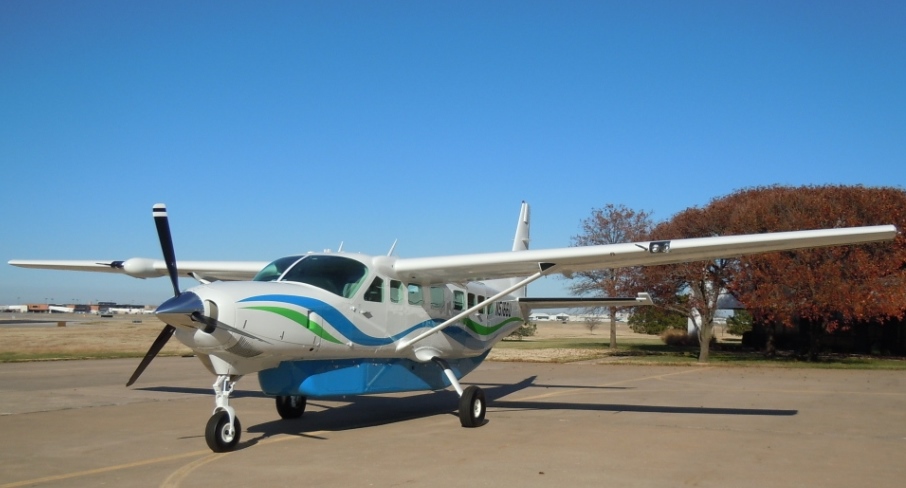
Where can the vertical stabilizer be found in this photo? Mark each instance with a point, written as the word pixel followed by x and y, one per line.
pixel 520 243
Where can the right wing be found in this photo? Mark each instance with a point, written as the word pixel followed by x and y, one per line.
pixel 153 268
pixel 566 260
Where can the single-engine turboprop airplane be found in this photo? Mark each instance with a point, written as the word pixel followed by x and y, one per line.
pixel 331 324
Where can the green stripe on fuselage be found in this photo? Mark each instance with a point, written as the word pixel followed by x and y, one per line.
pixel 300 319
pixel 485 330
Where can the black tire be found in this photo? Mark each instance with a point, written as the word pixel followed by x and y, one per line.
pixel 215 433
pixel 290 407
pixel 472 407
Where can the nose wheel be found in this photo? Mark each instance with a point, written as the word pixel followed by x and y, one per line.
pixel 223 428
pixel 220 434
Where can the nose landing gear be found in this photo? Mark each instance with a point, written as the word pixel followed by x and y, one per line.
pixel 223 429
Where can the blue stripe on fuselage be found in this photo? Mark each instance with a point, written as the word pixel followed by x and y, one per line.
pixel 345 327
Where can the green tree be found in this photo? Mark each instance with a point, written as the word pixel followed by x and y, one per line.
pixel 739 323
pixel 656 320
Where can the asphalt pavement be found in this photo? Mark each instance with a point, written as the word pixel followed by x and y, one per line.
pixel 74 423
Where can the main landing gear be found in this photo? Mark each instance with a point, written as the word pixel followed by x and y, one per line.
pixel 223 429
pixel 472 405
pixel 290 407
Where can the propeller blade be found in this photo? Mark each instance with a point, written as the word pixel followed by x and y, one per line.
pixel 155 348
pixel 213 323
pixel 166 243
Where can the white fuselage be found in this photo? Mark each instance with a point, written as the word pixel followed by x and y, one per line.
pixel 344 306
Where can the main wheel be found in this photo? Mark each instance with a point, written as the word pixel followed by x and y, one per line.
pixel 217 432
pixel 472 407
pixel 290 407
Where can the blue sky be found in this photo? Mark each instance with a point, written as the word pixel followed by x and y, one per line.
pixel 272 128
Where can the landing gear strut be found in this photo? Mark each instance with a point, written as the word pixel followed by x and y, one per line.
pixel 223 429
pixel 472 405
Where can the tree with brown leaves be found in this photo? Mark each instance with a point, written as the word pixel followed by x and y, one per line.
pixel 820 289
pixel 612 224
pixel 692 288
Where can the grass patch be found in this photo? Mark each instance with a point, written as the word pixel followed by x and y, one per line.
pixel 16 357
pixel 654 352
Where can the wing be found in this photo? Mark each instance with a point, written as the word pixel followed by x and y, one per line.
pixel 153 268
pixel 474 267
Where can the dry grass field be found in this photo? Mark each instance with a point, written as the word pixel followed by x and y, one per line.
pixel 83 336
pixel 88 336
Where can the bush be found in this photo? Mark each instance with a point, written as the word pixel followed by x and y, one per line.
pixel 654 321
pixel 527 329
pixel 680 338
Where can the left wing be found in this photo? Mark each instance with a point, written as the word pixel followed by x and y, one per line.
pixel 475 267
pixel 153 268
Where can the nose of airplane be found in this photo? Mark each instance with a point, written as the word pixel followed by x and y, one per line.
pixel 178 311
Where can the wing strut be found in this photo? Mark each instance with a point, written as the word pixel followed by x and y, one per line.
pixel 545 267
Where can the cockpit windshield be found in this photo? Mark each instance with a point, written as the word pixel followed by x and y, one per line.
pixel 273 271
pixel 336 274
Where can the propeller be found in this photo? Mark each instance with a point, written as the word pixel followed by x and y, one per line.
pixel 158 344
pixel 184 309
pixel 166 243
pixel 162 223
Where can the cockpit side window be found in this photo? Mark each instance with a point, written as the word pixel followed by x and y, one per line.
pixel 338 275
pixel 375 292
pixel 273 270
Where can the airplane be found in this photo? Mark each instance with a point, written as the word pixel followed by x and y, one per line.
pixel 329 324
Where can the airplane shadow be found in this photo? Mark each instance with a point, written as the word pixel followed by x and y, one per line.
pixel 204 391
pixel 597 407
pixel 370 411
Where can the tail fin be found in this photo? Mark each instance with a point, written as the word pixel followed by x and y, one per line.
pixel 520 243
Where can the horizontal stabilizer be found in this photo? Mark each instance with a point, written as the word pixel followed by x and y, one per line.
pixel 529 304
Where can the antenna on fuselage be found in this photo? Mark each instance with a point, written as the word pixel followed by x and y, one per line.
pixel 392 248
pixel 340 249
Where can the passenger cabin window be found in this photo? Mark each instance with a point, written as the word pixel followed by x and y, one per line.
pixel 437 296
pixel 338 275
pixel 415 294
pixel 396 291
pixel 458 300
pixel 471 300
pixel 375 292
pixel 272 271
